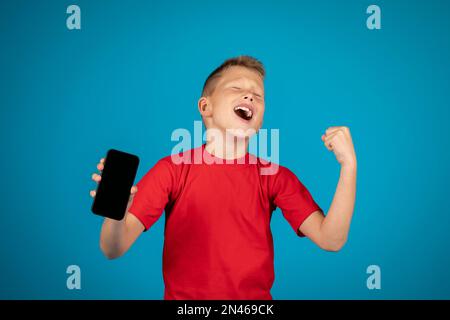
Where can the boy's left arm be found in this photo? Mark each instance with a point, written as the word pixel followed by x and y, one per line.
pixel 330 232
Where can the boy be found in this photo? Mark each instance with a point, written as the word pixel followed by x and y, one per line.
pixel 218 243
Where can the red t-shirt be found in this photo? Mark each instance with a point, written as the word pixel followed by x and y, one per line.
pixel 218 243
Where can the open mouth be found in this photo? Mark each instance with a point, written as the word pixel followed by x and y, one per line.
pixel 243 112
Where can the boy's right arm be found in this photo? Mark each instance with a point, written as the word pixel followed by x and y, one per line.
pixel 117 236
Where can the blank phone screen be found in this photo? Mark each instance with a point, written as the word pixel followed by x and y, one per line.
pixel 113 190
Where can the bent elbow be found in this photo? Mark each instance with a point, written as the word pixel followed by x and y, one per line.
pixel 334 246
pixel 110 253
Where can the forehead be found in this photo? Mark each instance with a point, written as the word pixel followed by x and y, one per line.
pixel 238 73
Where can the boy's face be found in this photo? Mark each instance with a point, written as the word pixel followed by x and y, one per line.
pixel 237 102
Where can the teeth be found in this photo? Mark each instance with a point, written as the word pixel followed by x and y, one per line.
pixel 248 112
pixel 243 108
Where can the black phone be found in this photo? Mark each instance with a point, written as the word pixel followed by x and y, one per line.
pixel 113 191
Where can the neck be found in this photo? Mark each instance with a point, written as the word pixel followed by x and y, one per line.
pixel 229 147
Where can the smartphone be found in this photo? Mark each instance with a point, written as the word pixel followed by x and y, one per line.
pixel 113 191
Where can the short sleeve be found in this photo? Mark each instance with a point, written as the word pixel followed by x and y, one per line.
pixel 154 190
pixel 293 198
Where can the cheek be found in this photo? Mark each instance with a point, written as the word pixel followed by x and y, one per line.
pixel 225 105
pixel 261 110
pixel 221 112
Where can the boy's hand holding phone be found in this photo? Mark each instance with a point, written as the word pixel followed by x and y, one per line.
pixel 97 177
pixel 115 191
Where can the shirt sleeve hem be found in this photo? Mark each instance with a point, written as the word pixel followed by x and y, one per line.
pixel 141 219
pixel 302 219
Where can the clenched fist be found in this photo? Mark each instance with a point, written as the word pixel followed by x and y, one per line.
pixel 339 140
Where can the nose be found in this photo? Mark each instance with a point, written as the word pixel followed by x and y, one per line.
pixel 249 97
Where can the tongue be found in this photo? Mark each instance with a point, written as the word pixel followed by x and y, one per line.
pixel 241 113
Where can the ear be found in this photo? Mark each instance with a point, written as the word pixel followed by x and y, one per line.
pixel 204 107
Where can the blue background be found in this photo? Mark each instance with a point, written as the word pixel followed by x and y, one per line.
pixel 133 74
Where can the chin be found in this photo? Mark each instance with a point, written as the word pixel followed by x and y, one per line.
pixel 242 132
